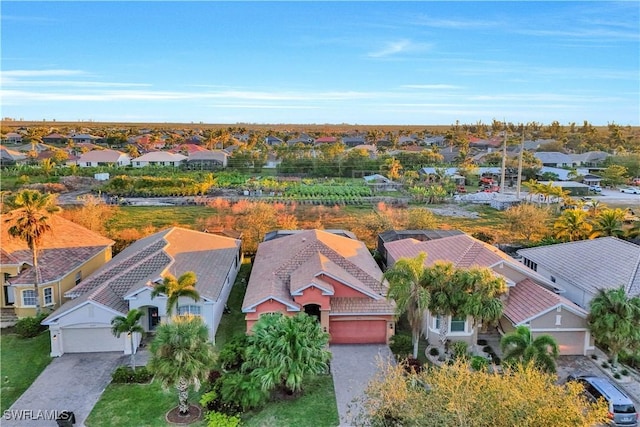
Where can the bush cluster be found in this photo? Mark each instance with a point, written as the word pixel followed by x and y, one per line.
pixel 29 327
pixel 401 344
pixel 126 375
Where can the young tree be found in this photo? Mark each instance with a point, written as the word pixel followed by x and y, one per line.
pixel 30 222
pixel 519 346
pixel 129 324
pixel 181 356
pixel 283 349
pixel 614 320
pixel 184 286
pixel 527 221
pixel 572 225
pixel 406 288
pixel 609 223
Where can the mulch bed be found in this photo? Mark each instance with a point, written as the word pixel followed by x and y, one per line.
pixel 174 416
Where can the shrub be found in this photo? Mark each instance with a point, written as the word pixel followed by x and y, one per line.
pixel 616 376
pixel 459 349
pixel 433 351
pixel 495 359
pixel 610 361
pixel 482 342
pixel 487 349
pixel 126 375
pixel 594 356
pixel 217 419
pixel 625 372
pixel 401 344
pixel 29 327
pixel 413 365
pixel 231 355
pixel 605 365
pixel 478 363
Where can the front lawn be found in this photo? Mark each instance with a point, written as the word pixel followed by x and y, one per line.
pixel 22 360
pixel 232 323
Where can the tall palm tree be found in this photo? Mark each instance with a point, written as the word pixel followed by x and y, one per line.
pixel 446 298
pixel 483 290
pixel 614 320
pixel 30 222
pixel 181 356
pixel 174 288
pixel 129 325
pixel 520 346
pixel 608 223
pixel 406 289
pixel 572 225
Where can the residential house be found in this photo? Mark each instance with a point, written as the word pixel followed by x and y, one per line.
pixel 10 157
pixel 371 149
pixel 354 141
pixel 377 182
pixel 330 276
pixel 104 158
pixel 54 138
pixel 419 235
pixel 85 137
pixel 326 140
pixel 590 159
pixel 585 266
pixel 554 159
pixel 574 188
pixel 67 254
pixel 531 300
pixel 159 158
pixel 207 160
pixel 13 138
pixel 83 325
pixel 272 140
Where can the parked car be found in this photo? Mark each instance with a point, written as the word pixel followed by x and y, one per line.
pixel 622 412
pixel 595 188
pixel 630 190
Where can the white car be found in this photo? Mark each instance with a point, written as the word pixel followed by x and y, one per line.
pixel 630 190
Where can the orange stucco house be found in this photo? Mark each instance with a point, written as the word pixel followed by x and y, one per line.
pixel 328 275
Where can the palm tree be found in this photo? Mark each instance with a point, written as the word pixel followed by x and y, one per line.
pixel 283 350
pixel 184 286
pixel 446 298
pixel 572 225
pixel 609 223
pixel 128 325
pixel 181 356
pixel 614 320
pixel 483 290
pixel 30 222
pixel 406 289
pixel 520 346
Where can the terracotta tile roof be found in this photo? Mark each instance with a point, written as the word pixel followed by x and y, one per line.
pixel 175 251
pixel 462 250
pixel 66 247
pixel 107 156
pixel 7 259
pixel 528 300
pixel 285 264
pixel 360 306
pixel 606 262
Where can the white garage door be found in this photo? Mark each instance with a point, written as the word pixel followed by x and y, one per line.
pixel 90 340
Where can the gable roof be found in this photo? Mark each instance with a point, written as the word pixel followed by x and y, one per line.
pixel 171 251
pixel 160 156
pixel 606 262
pixel 66 247
pixel 107 156
pixel 290 263
pixel 528 300
pixel 553 157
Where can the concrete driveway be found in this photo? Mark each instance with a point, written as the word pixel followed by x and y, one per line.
pixel 352 367
pixel 72 382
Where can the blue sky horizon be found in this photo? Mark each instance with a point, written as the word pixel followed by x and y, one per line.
pixel 361 63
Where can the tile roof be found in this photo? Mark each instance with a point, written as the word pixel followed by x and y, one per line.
pixel 528 300
pixel 462 250
pixel 7 259
pixel 171 251
pixel 66 247
pixel 358 306
pixel 607 262
pixel 553 157
pixel 287 263
pixel 160 156
pixel 108 156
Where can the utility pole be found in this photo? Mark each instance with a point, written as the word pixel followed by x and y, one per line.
pixel 504 159
pixel 520 164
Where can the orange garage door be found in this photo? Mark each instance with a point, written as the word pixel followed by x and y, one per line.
pixel 358 332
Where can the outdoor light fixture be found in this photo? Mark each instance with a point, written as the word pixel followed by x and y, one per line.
pixel 55 337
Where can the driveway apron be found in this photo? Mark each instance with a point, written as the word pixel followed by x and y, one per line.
pixel 72 382
pixel 352 367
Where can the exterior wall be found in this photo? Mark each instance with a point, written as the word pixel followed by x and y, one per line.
pixel 566 319
pixel 343 291
pixel 433 334
pixel 269 306
pixel 218 309
pixel 313 295
pixel 573 293
pixel 9 271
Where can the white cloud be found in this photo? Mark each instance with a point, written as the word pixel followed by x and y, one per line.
pixel 395 48
pixel 39 73
pixel 431 86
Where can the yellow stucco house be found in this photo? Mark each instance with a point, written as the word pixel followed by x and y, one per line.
pixel 68 253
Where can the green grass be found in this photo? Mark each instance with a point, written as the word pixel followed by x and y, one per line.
pixel 158 216
pixel 22 360
pixel 137 405
pixel 315 408
pixel 233 323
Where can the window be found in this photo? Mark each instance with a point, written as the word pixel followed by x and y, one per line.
pixel 437 319
pixel 78 277
pixel 48 296
pixel 558 319
pixel 29 298
pixel 184 310
pixel 458 323
pixel 553 279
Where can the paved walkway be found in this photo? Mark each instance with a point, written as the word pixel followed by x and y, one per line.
pixel 72 382
pixel 352 367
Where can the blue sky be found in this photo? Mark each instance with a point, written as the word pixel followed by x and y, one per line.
pixel 413 63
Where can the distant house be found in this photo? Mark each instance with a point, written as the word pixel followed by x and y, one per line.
pixel 12 138
pixel 574 188
pixel 207 160
pixel 83 325
pixel 159 158
pixel 55 138
pixel 370 148
pixel 104 158
pixel 10 157
pixel 377 182
pixel 531 300
pixel 584 267
pixel 590 159
pixel 326 140
pixel 326 275
pixel 354 141
pixel 272 140
pixel 68 254
pixel 554 159
pixel 85 137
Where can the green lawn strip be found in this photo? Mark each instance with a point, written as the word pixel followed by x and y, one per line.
pixel 137 405
pixel 233 323
pixel 22 360
pixel 315 408
pixel 158 216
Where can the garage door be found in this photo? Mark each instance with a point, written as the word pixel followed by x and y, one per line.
pixel 570 343
pixel 90 340
pixel 358 332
